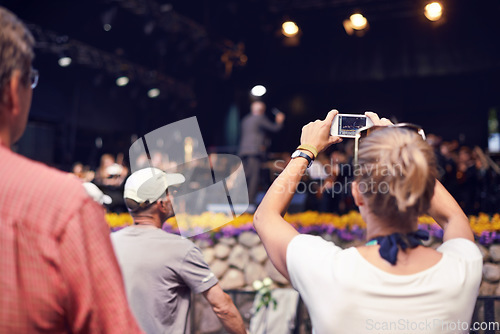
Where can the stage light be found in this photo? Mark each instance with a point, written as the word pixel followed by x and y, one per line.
pixel 153 93
pixel 433 11
pixel 122 81
pixel 356 25
pixel 107 27
pixel 64 61
pixel 258 90
pixel 289 28
pixel 358 21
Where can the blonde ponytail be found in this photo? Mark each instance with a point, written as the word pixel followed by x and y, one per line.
pixel 401 169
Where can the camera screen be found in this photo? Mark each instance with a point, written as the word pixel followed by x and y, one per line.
pixel 349 124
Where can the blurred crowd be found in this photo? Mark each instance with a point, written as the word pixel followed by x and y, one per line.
pixel 200 174
pixel 471 176
pixel 109 177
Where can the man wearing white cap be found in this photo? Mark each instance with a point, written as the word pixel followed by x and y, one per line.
pixel 96 194
pixel 161 269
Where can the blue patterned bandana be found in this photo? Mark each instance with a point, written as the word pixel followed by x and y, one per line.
pixel 389 244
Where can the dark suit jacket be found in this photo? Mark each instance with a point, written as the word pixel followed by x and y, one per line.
pixel 253 134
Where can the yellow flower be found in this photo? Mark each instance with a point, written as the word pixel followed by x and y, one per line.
pixel 215 221
pixel 119 220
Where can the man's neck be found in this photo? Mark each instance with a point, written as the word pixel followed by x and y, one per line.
pixel 145 225
pixel 147 221
pixel 5 138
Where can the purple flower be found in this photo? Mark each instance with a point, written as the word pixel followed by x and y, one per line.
pixel 346 235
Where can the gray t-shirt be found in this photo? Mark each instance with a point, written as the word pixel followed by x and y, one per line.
pixel 160 270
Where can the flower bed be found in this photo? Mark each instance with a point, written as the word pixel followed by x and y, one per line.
pixel 348 227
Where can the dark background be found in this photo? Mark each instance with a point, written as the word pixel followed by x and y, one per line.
pixel 442 75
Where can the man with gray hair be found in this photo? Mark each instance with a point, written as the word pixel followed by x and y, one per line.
pixel 58 272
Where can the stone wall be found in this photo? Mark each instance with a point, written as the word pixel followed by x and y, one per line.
pixel 239 261
pixel 491 270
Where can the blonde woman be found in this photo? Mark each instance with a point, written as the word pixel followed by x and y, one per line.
pixel 393 284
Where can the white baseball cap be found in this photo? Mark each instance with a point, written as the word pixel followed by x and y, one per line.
pixel 114 169
pixel 96 193
pixel 149 184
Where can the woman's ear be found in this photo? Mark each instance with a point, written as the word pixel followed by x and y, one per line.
pixel 356 194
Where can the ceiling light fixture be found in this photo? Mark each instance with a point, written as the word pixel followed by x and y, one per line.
pixel 358 21
pixel 64 61
pixel 122 81
pixel 153 93
pixel 289 28
pixel 433 11
pixel 258 90
pixel 356 24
